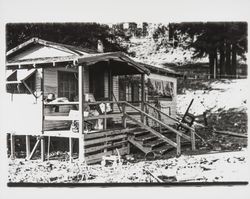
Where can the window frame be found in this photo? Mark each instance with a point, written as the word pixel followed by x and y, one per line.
pixel 59 73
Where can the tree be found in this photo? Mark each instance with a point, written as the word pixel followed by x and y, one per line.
pixel 221 42
pixel 78 34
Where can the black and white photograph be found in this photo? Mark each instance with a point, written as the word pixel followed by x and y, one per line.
pixel 125 103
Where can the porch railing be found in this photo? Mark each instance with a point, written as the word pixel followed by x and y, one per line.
pixel 125 115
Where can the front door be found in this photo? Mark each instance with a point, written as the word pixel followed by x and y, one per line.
pixel 96 82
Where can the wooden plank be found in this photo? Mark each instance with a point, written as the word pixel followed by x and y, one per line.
pixel 34 149
pixel 98 157
pixel 105 139
pixel 70 118
pixel 59 118
pixel 116 115
pixel 105 146
pixel 105 133
pixel 231 133
pixel 27 138
pixel 61 133
pixel 60 103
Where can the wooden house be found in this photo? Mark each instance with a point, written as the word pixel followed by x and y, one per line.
pixel 105 101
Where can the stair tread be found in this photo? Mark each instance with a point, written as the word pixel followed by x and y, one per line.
pixel 145 137
pixel 140 133
pixel 163 149
pixel 154 143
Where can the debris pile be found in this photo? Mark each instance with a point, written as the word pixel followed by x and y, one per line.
pixel 228 166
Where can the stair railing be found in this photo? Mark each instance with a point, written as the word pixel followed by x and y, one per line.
pixel 179 134
pixel 171 118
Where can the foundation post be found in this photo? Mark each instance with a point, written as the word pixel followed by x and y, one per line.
pixel 12 146
pixel 71 149
pixel 178 142
pixel 27 146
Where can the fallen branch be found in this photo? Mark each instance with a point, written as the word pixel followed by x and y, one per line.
pixel 152 175
pixel 230 133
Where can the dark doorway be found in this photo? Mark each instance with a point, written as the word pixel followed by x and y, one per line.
pixel 96 81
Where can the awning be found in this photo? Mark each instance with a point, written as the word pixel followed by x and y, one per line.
pixel 18 76
pixel 128 65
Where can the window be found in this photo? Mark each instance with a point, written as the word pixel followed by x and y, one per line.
pixel 67 85
pixel 20 88
pixel 129 89
pixel 160 89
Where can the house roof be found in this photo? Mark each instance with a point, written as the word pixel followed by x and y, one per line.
pixel 76 56
pixel 68 48
pixel 161 70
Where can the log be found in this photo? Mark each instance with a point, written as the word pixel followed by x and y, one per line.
pixel 231 133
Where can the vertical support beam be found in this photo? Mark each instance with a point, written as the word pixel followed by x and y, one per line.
pixel 124 122
pixel 159 118
pixel 48 150
pixel 12 146
pixel 193 140
pixel 81 112
pixel 142 96
pixel 178 141
pixel 70 149
pixel 43 148
pixel 105 119
pixel 42 139
pixel 27 146
pixel 128 145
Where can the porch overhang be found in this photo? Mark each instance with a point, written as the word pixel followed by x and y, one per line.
pixel 118 63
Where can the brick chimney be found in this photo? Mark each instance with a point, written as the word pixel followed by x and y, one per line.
pixel 100 47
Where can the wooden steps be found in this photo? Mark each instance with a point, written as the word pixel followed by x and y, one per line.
pixel 150 144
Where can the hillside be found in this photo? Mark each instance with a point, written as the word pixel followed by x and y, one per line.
pixel 159 50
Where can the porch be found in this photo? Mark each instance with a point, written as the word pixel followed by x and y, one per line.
pixel 125 124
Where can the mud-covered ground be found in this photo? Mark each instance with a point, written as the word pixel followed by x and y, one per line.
pixel 214 167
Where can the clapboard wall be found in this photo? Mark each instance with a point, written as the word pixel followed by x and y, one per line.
pixel 166 105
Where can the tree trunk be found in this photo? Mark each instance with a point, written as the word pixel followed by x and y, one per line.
pixel 216 66
pixel 222 61
pixel 211 64
pixel 234 61
pixel 228 59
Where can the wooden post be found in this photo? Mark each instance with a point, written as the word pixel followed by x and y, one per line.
pixel 71 149
pixel 105 119
pixel 27 146
pixel 81 112
pixel 178 141
pixel 42 139
pixel 142 95
pixel 42 148
pixel 124 123
pixel 48 150
pixel 12 146
pixel 193 140
pixel 159 118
